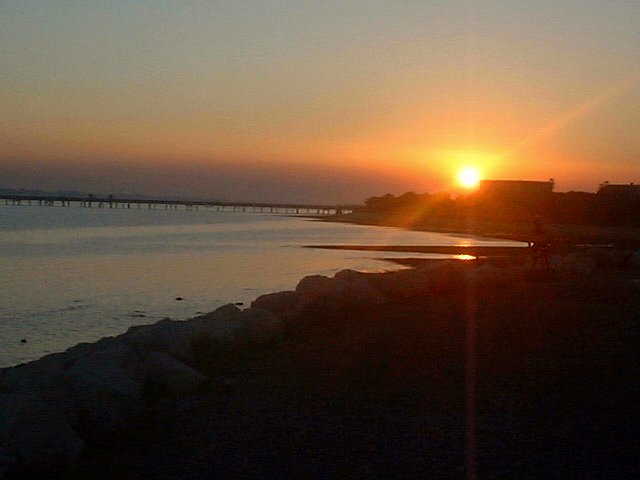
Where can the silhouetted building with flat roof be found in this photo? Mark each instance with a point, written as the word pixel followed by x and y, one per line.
pixel 617 204
pixel 623 190
pixel 514 200
pixel 515 188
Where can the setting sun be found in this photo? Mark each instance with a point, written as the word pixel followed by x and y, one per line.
pixel 469 177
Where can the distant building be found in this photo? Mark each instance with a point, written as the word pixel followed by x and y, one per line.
pixel 618 204
pixel 514 200
pixel 626 190
pixel 515 188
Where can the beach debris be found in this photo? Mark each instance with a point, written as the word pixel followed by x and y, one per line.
pixel 24 340
pixel 179 299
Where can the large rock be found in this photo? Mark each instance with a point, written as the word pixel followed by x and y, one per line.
pixel 347 288
pixel 279 303
pixel 403 284
pixel 42 377
pixel 106 386
pixel 315 291
pixel 229 331
pixel 169 336
pixel 314 284
pixel 221 323
pixel 46 376
pixel 166 374
pixel 50 378
pixel 225 312
pixel 356 289
pixel 437 278
pixel 257 327
pixel 33 434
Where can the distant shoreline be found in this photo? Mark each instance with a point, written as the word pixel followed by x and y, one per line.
pixel 564 234
pixel 474 251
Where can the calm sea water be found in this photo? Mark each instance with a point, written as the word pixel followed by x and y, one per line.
pixel 72 275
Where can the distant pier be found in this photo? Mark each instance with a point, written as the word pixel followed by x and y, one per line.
pixel 151 204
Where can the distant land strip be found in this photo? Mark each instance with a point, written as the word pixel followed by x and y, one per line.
pixel 475 251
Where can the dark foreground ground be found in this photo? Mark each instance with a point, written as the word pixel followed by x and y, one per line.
pixel 379 392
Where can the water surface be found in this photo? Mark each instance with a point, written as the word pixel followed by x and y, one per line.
pixel 73 274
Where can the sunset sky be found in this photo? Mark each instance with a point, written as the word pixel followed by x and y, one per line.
pixel 323 101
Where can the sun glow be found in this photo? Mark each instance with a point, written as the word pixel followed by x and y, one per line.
pixel 469 177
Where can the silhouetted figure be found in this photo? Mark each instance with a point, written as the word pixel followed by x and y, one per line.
pixel 540 247
pixel 537 227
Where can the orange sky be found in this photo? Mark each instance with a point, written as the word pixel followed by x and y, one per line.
pixel 319 101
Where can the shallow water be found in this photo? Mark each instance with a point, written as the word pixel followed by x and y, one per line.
pixel 73 274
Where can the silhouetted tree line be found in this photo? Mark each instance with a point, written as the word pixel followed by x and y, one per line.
pixel 602 208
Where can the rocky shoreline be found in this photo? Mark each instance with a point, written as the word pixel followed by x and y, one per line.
pixel 67 412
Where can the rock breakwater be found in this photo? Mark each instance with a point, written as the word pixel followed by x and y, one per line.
pixel 93 393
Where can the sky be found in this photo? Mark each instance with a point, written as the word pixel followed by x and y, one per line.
pixel 316 101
